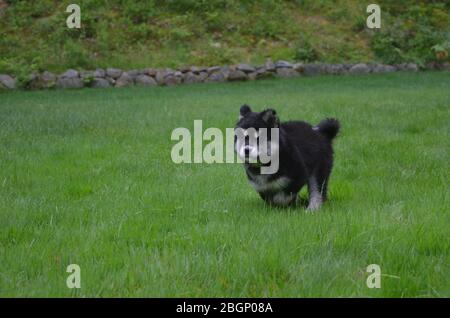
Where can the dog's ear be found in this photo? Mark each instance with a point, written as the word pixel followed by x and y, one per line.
pixel 270 117
pixel 245 109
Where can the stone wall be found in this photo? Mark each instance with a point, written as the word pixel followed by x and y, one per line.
pixel 113 77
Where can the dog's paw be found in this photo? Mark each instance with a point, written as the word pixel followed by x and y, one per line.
pixel 315 203
pixel 313 207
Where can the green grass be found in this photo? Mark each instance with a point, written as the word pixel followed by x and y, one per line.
pixel 86 178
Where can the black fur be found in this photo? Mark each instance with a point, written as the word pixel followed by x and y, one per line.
pixel 329 127
pixel 305 157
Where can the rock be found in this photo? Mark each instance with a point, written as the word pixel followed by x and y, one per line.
pixel 401 67
pixel 110 80
pixel 99 73
pixel 7 82
pixel 286 72
pixel 180 75
pixel 261 72
pixel 149 71
pixel 70 74
pixel 213 69
pixel 191 78
pixel 237 75
pixel 382 68
pixel 43 80
pixel 31 81
pixel 69 82
pixel 100 82
pixel 159 77
pixel 335 69
pixel 270 66
pixel 168 77
pixel 145 80
pixel 47 80
pixel 312 69
pixel 87 74
pixel 247 68
pixel 299 67
pixel 194 74
pixel 194 69
pixel 162 74
pixel 124 80
pixel 113 72
pixel 203 76
pixel 437 66
pixel 360 68
pixel 252 76
pixel 198 69
pixel 283 64
pixel 133 73
pixel 411 67
pixel 171 80
pixel 432 66
pixel 225 71
pixel 216 77
pixel 185 69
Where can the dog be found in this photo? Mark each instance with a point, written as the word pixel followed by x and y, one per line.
pixel 305 155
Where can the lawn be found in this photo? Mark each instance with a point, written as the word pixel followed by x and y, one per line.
pixel 86 178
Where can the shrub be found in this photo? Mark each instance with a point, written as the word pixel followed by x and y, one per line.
pixel 304 51
pixel 410 36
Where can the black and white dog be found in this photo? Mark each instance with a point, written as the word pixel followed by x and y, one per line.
pixel 304 152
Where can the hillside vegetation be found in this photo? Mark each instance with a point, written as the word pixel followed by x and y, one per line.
pixel 134 34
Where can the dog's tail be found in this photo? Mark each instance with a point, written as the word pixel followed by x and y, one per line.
pixel 328 127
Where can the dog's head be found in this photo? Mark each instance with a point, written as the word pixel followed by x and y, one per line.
pixel 253 127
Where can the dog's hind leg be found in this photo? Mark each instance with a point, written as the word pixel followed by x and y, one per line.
pixel 322 180
pixel 315 194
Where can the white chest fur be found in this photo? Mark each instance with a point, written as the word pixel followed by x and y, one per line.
pixel 261 183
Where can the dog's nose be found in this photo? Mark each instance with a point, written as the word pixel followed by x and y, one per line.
pixel 246 150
